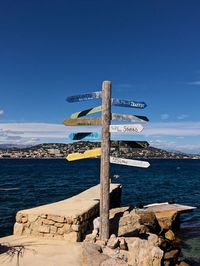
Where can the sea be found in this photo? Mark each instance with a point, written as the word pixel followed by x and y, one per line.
pixel 28 183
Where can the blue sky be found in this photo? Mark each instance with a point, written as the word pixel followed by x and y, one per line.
pixel 52 49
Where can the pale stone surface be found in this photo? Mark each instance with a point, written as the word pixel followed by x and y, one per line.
pixel 71 237
pixel 114 262
pixel 44 229
pixel 48 222
pixel 18 229
pixel 91 255
pixel 143 253
pixel 42 252
pixel 53 229
pixel 19 216
pixel 113 242
pixel 32 217
pixel 56 218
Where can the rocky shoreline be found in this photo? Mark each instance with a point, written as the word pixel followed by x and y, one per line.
pixel 137 238
pixel 61 150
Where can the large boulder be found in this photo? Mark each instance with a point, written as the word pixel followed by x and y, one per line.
pixel 92 255
pixel 143 252
pixel 124 222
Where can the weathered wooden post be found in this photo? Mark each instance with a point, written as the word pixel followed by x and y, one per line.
pixel 105 161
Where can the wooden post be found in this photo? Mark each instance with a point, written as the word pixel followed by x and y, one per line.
pixel 105 161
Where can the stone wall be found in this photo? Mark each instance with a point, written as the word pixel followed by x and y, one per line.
pixel 69 219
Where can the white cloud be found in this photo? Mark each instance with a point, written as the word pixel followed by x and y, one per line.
pixel 38 132
pixel 176 129
pixel 183 116
pixel 1 112
pixel 174 146
pixel 194 83
pixel 164 116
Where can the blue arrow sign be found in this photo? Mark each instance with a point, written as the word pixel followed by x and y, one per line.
pixel 85 136
pixel 84 97
pixel 127 103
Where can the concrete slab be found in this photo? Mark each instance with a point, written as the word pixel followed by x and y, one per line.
pixel 40 252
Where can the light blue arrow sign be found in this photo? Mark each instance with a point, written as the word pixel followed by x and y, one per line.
pixel 127 103
pixel 85 136
pixel 84 97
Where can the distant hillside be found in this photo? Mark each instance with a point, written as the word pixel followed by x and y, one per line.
pixel 61 150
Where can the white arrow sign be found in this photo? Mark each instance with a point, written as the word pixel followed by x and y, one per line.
pixel 126 128
pixel 129 162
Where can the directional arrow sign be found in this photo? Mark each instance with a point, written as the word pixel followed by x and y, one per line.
pixel 85 136
pixel 84 97
pixel 130 143
pixel 126 128
pixel 82 122
pixel 87 154
pixel 86 112
pixel 129 162
pixel 127 103
pixel 129 118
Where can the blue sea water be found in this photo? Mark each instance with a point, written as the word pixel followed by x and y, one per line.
pixel 36 182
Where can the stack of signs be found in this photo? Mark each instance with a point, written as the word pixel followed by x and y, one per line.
pixel 77 120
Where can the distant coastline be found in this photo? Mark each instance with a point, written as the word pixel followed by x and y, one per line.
pixel 61 150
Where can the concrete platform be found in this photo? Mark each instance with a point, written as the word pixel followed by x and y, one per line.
pixel 40 252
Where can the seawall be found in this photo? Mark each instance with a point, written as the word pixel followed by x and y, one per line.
pixel 68 219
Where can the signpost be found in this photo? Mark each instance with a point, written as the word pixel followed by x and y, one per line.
pixel 87 154
pixel 82 122
pixel 84 97
pixel 129 162
pixel 129 118
pixel 104 151
pixel 127 103
pixel 87 112
pixel 85 136
pixel 126 128
pixel 131 144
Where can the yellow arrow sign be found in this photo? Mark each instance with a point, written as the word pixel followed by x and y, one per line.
pixel 85 155
pixel 82 122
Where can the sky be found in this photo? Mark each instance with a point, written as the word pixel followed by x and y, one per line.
pixel 148 49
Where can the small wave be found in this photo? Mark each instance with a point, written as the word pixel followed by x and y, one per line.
pixel 8 189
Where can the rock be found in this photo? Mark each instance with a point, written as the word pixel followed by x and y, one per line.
pixel 113 262
pixel 44 229
pixel 128 225
pixel 113 242
pixel 170 235
pixel 96 224
pixel 172 255
pixel 143 253
pixel 24 219
pixel 90 238
pixel 123 244
pixel 153 239
pixel 48 222
pixel 110 252
pixel 18 229
pixel 148 219
pixel 53 229
pixel 95 232
pixel 101 243
pixel 19 216
pixel 91 255
pixel 75 227
pixel 167 219
pixel 56 218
